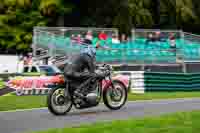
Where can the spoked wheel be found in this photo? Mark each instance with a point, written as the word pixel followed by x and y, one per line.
pixel 57 103
pixel 115 98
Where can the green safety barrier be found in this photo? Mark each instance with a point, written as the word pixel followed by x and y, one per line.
pixel 171 81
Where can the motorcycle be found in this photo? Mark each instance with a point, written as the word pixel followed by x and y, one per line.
pixel 62 97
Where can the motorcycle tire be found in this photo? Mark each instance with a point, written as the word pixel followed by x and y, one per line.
pixel 106 91
pixel 50 103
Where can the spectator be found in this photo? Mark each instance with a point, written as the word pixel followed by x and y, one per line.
pixel 89 35
pixel 30 59
pixel 79 38
pixel 123 38
pixel 172 40
pixel 115 39
pixel 157 36
pixel 150 38
pixel 25 60
pixel 88 38
pixel 103 36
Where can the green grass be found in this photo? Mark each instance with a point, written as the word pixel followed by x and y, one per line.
pixel 187 122
pixel 1 84
pixel 21 102
pixel 163 95
pixel 12 102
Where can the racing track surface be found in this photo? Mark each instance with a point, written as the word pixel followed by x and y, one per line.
pixel 5 91
pixel 41 119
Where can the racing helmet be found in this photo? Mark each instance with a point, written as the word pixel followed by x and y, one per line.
pixel 89 50
pixel 87 47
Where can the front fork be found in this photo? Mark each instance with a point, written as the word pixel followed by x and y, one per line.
pixel 113 89
pixel 67 93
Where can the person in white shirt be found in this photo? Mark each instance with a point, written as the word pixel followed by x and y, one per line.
pixel 115 39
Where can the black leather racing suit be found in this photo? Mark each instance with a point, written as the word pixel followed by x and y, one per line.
pixel 81 68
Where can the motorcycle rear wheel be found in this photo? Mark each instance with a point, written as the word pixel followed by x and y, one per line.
pixel 57 103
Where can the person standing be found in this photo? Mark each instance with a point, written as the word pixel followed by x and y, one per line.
pixel 102 36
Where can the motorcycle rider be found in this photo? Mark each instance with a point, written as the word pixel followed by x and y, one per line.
pixel 82 67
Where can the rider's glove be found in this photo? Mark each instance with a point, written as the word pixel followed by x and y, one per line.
pixel 100 74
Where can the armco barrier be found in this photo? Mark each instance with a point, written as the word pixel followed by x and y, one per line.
pixel 157 81
pixel 171 81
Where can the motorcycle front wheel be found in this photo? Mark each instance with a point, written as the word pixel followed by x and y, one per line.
pixel 115 98
pixel 57 102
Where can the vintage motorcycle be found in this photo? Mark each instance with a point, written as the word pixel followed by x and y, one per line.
pixel 61 98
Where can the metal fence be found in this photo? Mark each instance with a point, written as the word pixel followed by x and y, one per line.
pixel 55 43
pixel 144 33
pixel 50 40
pixel 191 38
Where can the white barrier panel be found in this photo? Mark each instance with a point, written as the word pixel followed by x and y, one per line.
pixel 137 81
pixel 21 92
pixel 9 63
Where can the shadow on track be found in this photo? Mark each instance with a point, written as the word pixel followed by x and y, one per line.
pixel 92 112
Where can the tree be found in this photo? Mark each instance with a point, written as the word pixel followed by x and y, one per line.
pixel 178 13
pixel 184 12
pixel 140 12
pixel 18 17
pixel 123 19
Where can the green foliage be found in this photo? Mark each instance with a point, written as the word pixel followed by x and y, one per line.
pixel 2 83
pixel 18 17
pixel 140 12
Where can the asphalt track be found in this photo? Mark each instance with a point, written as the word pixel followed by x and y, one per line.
pixel 4 91
pixel 41 119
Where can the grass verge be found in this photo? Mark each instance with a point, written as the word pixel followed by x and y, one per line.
pixel 2 85
pixel 187 122
pixel 12 102
pixel 163 95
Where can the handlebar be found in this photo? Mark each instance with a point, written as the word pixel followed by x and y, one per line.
pixel 107 69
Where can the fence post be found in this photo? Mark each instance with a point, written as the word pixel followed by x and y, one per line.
pixel 51 45
pixel 184 69
pixel 34 42
pixel 133 35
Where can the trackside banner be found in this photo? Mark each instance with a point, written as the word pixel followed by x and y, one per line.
pixel 23 84
pixel 36 85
